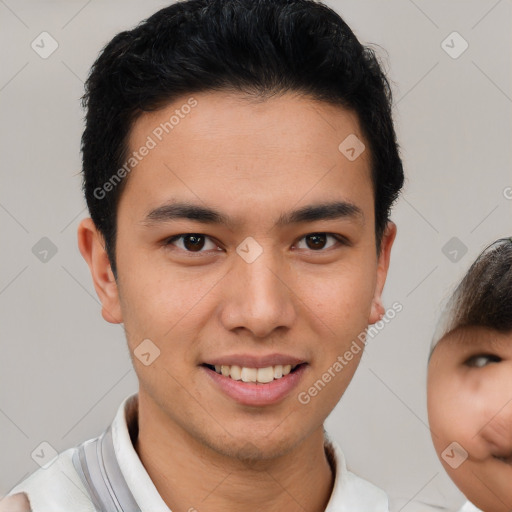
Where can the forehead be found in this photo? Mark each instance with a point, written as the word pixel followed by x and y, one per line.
pixel 227 147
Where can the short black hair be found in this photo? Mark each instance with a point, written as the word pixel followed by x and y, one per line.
pixel 255 47
pixel 483 298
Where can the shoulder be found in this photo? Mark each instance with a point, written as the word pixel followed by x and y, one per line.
pixel 56 488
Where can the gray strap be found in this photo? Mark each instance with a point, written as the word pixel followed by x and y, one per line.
pixel 96 464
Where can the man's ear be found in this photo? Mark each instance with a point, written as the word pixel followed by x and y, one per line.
pixel 377 311
pixel 91 245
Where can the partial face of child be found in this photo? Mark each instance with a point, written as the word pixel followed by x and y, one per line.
pixel 470 413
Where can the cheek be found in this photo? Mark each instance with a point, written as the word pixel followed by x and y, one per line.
pixel 342 294
pixel 148 274
pixel 464 409
pixel 158 301
pixel 439 413
pixel 450 412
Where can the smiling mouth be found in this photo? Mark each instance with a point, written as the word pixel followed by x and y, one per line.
pixel 254 375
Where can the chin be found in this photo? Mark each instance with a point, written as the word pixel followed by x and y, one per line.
pixel 252 449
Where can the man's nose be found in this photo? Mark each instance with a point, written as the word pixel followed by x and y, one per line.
pixel 259 296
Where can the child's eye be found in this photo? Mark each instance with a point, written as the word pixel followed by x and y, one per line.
pixel 481 360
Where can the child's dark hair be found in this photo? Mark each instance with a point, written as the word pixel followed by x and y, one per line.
pixel 484 296
pixel 255 47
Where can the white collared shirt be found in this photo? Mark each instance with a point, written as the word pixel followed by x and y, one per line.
pixel 59 488
pixel 469 507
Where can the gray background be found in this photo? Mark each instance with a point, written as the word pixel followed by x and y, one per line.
pixel 64 371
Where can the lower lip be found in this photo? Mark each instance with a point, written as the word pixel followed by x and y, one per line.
pixel 250 393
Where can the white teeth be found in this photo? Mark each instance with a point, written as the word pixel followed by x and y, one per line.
pixel 236 372
pixel 261 375
pixel 249 374
pixel 265 374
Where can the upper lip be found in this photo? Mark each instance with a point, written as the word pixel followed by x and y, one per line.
pixel 255 361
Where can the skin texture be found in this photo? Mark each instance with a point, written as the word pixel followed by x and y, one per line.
pixel 15 503
pixel 470 402
pixel 253 161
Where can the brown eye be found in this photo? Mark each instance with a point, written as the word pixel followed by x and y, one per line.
pixel 481 360
pixel 191 242
pixel 319 241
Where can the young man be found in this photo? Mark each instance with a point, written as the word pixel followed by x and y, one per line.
pixel 240 164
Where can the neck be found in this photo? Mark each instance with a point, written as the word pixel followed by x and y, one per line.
pixel 190 476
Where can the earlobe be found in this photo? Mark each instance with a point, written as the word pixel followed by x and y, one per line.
pixel 91 245
pixel 377 309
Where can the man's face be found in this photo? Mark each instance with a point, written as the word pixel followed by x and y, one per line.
pixel 469 403
pixel 262 291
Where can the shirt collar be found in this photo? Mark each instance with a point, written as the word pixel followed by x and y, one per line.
pixel 350 493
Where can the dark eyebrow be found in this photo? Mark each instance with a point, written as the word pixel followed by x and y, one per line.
pixel 324 211
pixel 311 213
